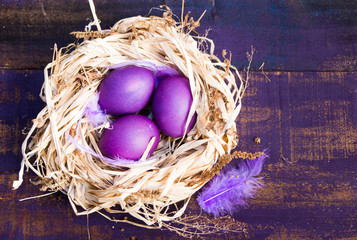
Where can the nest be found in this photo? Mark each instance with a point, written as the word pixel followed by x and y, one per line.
pixel 153 190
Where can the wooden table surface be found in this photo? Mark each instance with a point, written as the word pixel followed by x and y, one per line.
pixel 303 107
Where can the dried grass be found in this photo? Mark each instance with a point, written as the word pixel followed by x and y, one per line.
pixel 149 190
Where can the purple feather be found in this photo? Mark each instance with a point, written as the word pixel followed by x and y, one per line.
pixel 94 112
pixel 231 188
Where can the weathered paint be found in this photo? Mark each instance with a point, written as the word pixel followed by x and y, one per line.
pixel 287 35
pixel 306 120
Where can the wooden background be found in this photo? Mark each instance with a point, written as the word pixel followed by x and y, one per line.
pixel 306 113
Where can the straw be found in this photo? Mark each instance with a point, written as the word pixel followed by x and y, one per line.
pixel 148 190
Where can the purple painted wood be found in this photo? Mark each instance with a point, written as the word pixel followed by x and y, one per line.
pixel 307 120
pixel 19 104
pixel 287 35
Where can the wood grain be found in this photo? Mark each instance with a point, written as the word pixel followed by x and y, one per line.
pixel 19 104
pixel 287 35
pixel 303 108
pixel 306 120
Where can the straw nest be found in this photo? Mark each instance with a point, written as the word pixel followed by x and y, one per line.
pixel 156 189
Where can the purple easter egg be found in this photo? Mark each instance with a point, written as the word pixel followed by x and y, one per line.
pixel 128 137
pixel 126 90
pixel 171 104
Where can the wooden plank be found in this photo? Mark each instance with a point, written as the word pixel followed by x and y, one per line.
pixel 310 116
pixel 311 208
pixel 19 104
pixel 287 35
pixel 307 120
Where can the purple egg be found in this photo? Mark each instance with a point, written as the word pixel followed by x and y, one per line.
pixel 126 90
pixel 171 104
pixel 128 137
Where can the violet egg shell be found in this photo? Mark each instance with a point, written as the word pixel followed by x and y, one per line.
pixel 171 104
pixel 128 137
pixel 126 90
